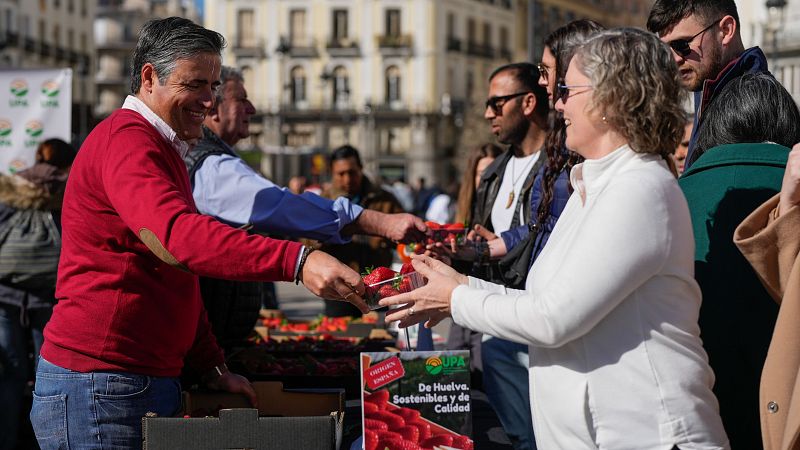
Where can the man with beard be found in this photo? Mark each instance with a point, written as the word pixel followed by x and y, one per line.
pixel 516 108
pixel 707 45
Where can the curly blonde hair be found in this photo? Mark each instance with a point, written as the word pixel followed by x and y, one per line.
pixel 636 88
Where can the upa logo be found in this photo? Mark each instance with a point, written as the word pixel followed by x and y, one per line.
pixel 19 89
pixel 16 165
pixel 50 90
pixel 34 128
pixel 5 132
pixel 445 364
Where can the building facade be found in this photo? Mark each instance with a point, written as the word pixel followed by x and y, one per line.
pixel 53 34
pixel 395 78
pixel 116 30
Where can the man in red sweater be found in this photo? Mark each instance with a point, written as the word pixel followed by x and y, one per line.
pixel 129 311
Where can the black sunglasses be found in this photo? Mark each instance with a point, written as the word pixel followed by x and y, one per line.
pixel 496 103
pixel 562 90
pixel 681 46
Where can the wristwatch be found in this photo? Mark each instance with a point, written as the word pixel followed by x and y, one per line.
pixel 213 373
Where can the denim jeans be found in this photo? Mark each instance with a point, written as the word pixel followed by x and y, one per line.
pixel 505 380
pixel 14 364
pixel 97 410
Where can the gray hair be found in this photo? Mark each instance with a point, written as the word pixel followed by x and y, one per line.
pixel 162 42
pixel 636 87
pixel 227 73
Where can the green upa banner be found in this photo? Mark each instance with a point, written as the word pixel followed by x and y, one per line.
pixel 35 105
pixel 416 400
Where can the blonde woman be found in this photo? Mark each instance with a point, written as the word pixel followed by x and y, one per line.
pixel 610 306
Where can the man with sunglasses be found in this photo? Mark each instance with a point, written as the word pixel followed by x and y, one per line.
pixel 707 45
pixel 516 109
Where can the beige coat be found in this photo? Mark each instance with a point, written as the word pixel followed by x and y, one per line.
pixel 772 246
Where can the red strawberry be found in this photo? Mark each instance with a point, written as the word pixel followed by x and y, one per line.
pixel 390 436
pixel 387 290
pixel 454 226
pixel 407 413
pixel 433 225
pixel 405 285
pixel 395 444
pixel 380 398
pixel 407 268
pixel 409 433
pixel 393 421
pixel 419 248
pixel 462 442
pixel 370 407
pixel 423 427
pixel 370 440
pixel 375 425
pixel 378 274
pixel 439 439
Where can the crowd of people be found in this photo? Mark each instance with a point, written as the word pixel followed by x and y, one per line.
pixel 628 281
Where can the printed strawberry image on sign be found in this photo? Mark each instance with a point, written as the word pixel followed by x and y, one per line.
pixel 422 409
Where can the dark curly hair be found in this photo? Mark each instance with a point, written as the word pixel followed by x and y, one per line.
pixel 562 43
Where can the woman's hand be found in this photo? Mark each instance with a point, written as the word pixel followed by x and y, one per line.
pixel 790 190
pixel 430 303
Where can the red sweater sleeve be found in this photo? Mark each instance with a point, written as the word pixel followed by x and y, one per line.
pixel 147 188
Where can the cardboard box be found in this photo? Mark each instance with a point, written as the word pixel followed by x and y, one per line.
pixel 294 420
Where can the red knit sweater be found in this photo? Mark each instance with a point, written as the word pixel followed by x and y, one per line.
pixel 120 307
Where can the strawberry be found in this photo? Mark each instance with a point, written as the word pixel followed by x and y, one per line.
pixel 407 268
pixel 390 436
pixel 409 433
pixel 370 407
pixel 395 444
pixel 423 427
pixel 375 425
pixel 462 442
pixel 378 274
pixel 393 421
pixel 370 440
pixel 419 248
pixel 380 398
pixel 454 226
pixel 405 285
pixel 439 439
pixel 387 290
pixel 407 413
pixel 433 225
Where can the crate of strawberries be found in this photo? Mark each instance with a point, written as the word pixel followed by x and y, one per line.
pixel 382 282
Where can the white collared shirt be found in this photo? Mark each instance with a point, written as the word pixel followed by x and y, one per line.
pixel 135 104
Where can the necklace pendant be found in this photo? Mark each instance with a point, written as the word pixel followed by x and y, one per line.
pixel 510 199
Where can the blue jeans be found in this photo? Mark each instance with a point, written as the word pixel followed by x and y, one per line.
pixel 97 410
pixel 14 364
pixel 505 380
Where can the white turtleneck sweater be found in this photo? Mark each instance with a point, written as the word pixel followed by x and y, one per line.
pixel 610 313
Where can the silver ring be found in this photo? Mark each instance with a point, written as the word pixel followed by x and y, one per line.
pixel 348 295
pixel 411 311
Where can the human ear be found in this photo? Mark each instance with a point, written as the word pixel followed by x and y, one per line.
pixel 148 77
pixel 727 26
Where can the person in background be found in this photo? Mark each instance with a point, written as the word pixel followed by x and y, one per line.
pixel 610 305
pixel 706 42
pixel 297 184
pixel 403 193
pixel 769 240
pixel 740 157
pixel 683 146
pixel 460 338
pixel 349 182
pixel 24 310
pixel 224 186
pixel 129 313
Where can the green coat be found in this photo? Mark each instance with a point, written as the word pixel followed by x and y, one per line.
pixel 737 315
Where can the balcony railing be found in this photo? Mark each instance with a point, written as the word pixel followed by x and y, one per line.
pixel 505 53
pixel 298 47
pixel 249 46
pixel 60 53
pixel 483 50
pixel 343 47
pixel 29 44
pixel 44 49
pixel 395 41
pixel 453 44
